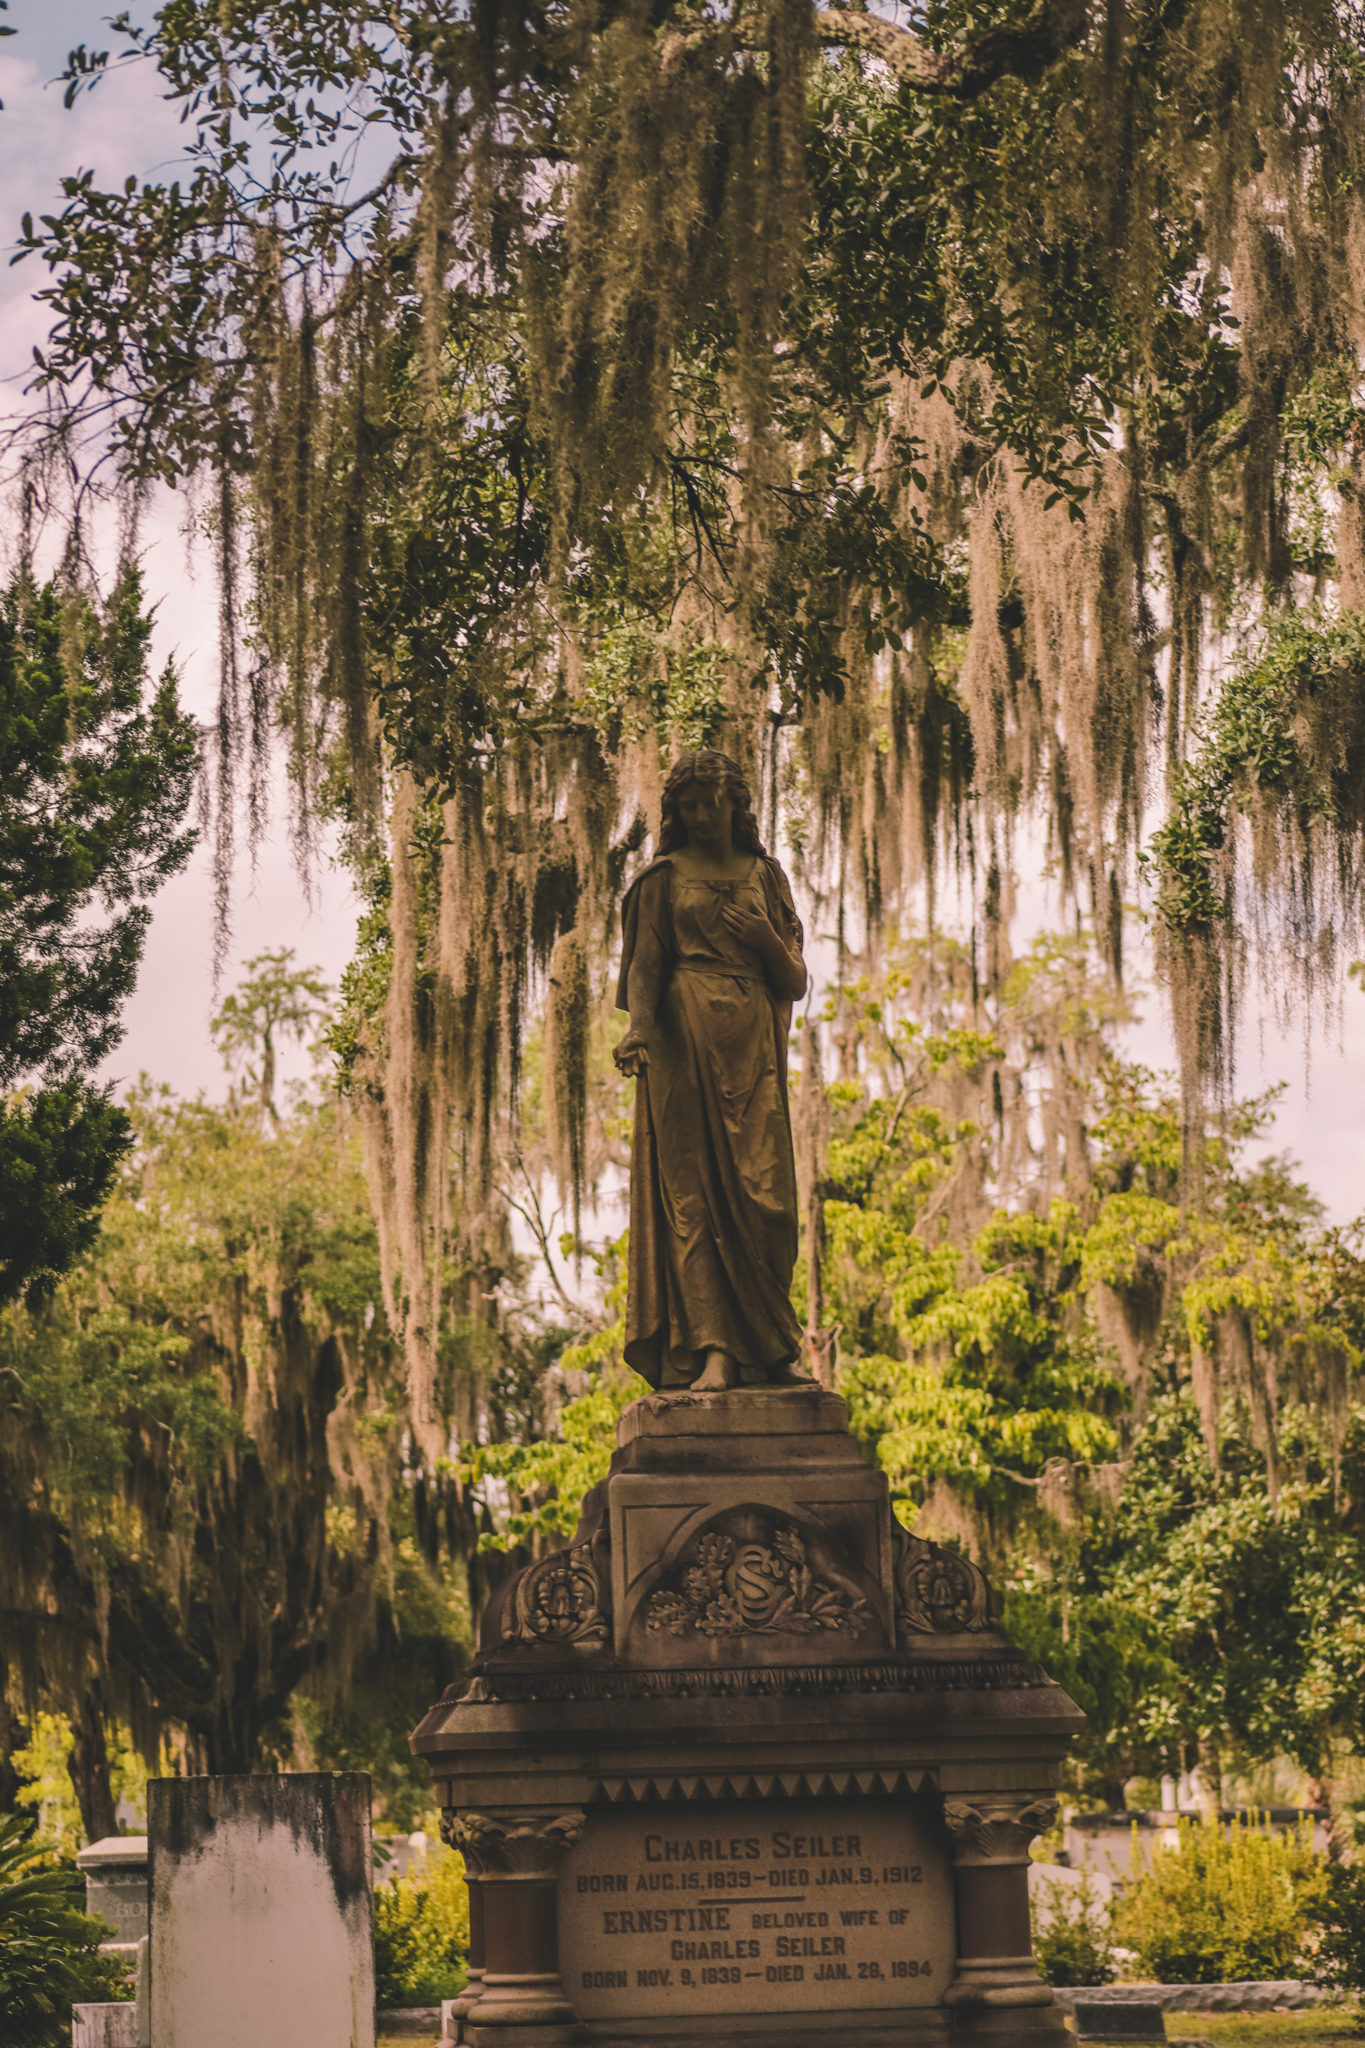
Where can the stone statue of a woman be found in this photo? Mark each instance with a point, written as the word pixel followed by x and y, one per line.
pixel 710 967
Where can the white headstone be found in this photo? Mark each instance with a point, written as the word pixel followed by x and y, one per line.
pixel 104 2026
pixel 262 1928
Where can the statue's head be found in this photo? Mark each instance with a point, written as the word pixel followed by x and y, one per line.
pixel 708 765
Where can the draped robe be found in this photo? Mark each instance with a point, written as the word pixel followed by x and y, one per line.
pixel 713 1202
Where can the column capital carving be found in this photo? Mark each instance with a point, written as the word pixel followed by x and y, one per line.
pixel 454 1836
pixel 516 1845
pixel 996 1827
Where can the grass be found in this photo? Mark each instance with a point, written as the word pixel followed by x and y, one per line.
pixel 1321 2025
pixel 1324 2027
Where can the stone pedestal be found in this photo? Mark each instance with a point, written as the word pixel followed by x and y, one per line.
pixel 746 1757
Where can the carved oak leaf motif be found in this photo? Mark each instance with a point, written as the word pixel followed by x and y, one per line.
pixel 732 1585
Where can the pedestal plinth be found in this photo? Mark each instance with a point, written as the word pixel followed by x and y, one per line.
pixel 747 1758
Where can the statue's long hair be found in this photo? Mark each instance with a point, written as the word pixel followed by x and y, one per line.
pixel 708 765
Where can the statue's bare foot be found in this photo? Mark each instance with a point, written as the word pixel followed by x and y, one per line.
pixel 792 1375
pixel 717 1376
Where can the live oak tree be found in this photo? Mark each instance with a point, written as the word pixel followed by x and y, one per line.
pixel 218 1539
pixel 207 1514
pixel 918 412
pixel 97 769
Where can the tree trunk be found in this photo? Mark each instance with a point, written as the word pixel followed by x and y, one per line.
pixel 9 1742
pixel 1327 1791
pixel 88 1764
pixel 1209 1780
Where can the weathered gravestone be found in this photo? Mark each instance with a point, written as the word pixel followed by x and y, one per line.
pixel 115 1873
pixel 746 1758
pixel 262 1928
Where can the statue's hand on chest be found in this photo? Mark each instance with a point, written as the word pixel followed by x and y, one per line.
pixel 746 919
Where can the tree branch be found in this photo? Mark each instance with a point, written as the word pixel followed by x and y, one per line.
pixel 1021 49
pixel 1015 50
pixel 1018 50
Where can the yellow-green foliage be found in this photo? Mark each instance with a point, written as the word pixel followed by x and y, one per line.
pixel 421 1934
pixel 546 1480
pixel 1076 1945
pixel 1224 1903
pixel 46 1789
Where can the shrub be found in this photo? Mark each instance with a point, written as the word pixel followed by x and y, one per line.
pixel 49 1948
pixel 1339 1962
pixel 1222 1904
pixel 1075 1947
pixel 421 1935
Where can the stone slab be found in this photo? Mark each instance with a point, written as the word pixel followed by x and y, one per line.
pixel 262 1927
pixel 1051 1885
pixel 800 1907
pixel 928 2028
pixel 1246 1995
pixel 398 1856
pixel 1110 2019
pixel 105 2026
pixel 727 1422
pixel 113 1852
pixel 1109 1843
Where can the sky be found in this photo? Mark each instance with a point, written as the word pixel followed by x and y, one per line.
pixel 124 127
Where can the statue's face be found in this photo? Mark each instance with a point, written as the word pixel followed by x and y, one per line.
pixel 706 810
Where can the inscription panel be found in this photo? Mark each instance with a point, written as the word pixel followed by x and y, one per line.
pixel 755 1906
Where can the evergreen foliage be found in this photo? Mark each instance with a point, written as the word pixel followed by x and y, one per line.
pixel 1340 1954
pixel 277 1002
pixel 96 775
pixel 49 1948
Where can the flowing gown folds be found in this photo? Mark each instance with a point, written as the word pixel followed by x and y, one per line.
pixel 713 1203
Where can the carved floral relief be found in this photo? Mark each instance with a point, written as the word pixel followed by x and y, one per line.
pixel 757 1577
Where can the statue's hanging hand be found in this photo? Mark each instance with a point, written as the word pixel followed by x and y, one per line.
pixel 632 1054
